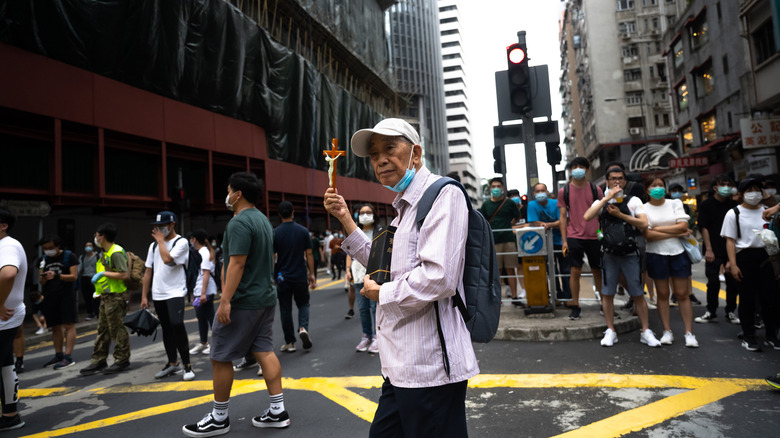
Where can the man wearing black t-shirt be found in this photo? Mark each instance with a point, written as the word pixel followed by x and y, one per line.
pixel 292 247
pixel 711 214
pixel 58 272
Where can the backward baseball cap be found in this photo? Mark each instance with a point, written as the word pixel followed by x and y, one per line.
pixel 164 217
pixel 389 127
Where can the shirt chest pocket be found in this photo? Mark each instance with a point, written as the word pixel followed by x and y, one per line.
pixel 404 251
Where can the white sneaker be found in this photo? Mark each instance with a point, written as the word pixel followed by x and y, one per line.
pixel 707 317
pixel 40 331
pixel 259 370
pixel 199 348
pixel 521 294
pixel 206 350
pixel 610 338
pixel 363 345
pixel 667 337
pixel 374 347
pixel 188 373
pixel 690 340
pixel 648 337
pixel 721 278
pixel 732 318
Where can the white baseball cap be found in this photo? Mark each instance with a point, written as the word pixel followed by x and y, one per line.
pixel 389 127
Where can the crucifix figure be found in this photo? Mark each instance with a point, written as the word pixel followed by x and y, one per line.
pixel 331 156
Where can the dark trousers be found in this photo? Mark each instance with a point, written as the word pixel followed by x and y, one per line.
pixel 338 264
pixel 205 314
pixel 287 293
pixel 87 290
pixel 171 314
pixel 711 271
pixel 562 286
pixel 9 382
pixel 758 284
pixel 438 411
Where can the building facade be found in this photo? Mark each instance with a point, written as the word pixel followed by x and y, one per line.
pixel 459 140
pixel 415 56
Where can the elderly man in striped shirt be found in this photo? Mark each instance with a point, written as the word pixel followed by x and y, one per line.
pixel 419 397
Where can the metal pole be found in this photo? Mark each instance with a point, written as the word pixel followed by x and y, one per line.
pixel 529 139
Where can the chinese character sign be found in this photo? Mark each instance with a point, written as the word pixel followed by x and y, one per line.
pixel 760 133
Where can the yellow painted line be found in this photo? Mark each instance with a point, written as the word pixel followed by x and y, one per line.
pixel 45 392
pixel 324 286
pixel 50 343
pixel 352 402
pixel 703 287
pixel 655 413
pixel 604 380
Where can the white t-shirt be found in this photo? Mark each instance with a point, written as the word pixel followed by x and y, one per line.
pixel 12 254
pixel 169 281
pixel 668 213
pixel 206 264
pixel 326 243
pixel 749 220
pixel 358 270
pixel 634 205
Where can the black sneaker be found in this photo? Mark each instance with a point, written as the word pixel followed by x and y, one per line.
pixel 93 368
pixel 576 311
pixel 10 423
pixel 208 426
pixel 244 365
pixel 117 367
pixel 52 361
pixel 517 303
pixel 772 343
pixel 758 323
pixel 751 346
pixel 19 366
pixel 695 300
pixel 349 314
pixel 270 420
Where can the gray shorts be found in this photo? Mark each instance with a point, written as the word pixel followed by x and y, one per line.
pixel 629 265
pixel 250 330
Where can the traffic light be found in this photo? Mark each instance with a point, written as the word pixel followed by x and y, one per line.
pixel 519 75
pixel 553 154
pixel 498 164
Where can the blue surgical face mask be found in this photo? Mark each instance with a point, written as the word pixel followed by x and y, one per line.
pixel 676 195
pixel 496 192
pixel 516 199
pixel 401 185
pixel 578 173
pixel 657 192
pixel 88 248
pixel 541 197
pixel 724 191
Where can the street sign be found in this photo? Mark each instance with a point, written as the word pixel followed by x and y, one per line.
pixel 530 242
pixel 27 208
pixel 545 132
pixel 677 163
pixel 760 133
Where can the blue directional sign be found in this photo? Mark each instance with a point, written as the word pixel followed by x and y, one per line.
pixel 531 242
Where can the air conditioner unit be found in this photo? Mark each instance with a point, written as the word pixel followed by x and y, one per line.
pixel 626 35
pixel 634 131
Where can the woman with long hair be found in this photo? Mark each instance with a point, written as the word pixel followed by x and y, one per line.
pixel 667 261
pixel 205 289
pixel 355 272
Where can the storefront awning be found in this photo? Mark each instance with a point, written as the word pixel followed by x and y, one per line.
pixel 710 145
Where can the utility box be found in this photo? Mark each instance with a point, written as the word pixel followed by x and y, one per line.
pixel 535 273
pixel 531 241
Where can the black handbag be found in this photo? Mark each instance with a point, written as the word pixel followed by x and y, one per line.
pixel 143 322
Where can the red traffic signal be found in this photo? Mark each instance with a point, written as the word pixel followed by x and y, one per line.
pixel 518 73
pixel 515 54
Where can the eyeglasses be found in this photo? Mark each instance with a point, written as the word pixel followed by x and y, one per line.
pixel 617 178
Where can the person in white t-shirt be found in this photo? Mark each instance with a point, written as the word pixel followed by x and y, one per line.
pixel 326 248
pixel 205 289
pixel 13 271
pixel 748 265
pixel 623 256
pixel 667 261
pixel 166 278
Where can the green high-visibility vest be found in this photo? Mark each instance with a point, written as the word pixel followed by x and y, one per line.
pixel 105 284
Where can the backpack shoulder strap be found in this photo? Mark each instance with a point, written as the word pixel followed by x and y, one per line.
pixel 493 216
pixel 66 259
pixel 426 201
pixel 594 191
pixel 736 217
pixel 566 195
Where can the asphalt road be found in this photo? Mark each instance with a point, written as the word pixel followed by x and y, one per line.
pixel 525 389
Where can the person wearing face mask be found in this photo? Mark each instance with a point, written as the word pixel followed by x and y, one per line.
pixel 420 396
pixel 770 189
pixel 711 213
pixel 87 269
pixel 747 258
pixel 165 277
pixel 503 213
pixel 667 261
pixel 544 212
pixel 578 237
pixel 355 273
pixel 59 270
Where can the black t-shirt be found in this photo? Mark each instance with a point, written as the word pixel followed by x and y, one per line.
pixel 291 241
pixel 59 265
pixel 711 214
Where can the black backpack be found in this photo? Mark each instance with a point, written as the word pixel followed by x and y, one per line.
pixel 618 236
pixel 593 190
pixel 192 267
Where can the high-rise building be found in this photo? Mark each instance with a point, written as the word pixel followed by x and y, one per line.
pixel 461 150
pixel 614 83
pixel 415 56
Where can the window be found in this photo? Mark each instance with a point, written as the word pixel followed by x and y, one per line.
pixel 448 20
pixel 725 65
pixel 666 119
pixel 627 27
pixel 720 14
pixel 450 44
pixel 649 2
pixel 679 55
pixel 460 155
pixel 698 31
pixel 686 138
pixel 633 74
pixel 764 42
pixel 625 5
pixel 705 80
pixel 682 96
pixel 661 67
pixel 707 125
pixel 670 20
pixel 656 23
pixel 634 98
pixel 630 50
pixel 636 122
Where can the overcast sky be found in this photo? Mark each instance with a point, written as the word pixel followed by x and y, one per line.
pixel 489 26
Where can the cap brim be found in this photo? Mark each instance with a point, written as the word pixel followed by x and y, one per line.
pixel 360 140
pixel 160 222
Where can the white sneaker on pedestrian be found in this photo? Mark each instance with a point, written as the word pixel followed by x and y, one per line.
pixel 690 340
pixel 610 338
pixel 648 337
pixel 188 373
pixel 363 345
pixel 707 317
pixel 667 338
pixel 288 348
pixel 732 318
pixel 259 370
pixel 721 278
pixel 199 348
pixel 40 331
pixel 206 350
pixel 374 347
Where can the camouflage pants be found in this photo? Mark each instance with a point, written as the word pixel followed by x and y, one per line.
pixel 113 308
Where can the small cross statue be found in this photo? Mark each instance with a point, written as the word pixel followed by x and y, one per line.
pixel 331 156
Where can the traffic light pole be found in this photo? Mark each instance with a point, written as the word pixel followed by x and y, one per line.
pixel 529 139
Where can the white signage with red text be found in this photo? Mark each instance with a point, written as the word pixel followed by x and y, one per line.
pixel 760 133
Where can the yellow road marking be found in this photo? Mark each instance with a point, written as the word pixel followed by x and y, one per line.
pixel 50 343
pixel 324 286
pixel 642 417
pixel 355 403
pixel 703 287
pixel 45 392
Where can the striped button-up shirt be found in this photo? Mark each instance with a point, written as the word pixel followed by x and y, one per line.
pixel 427 266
